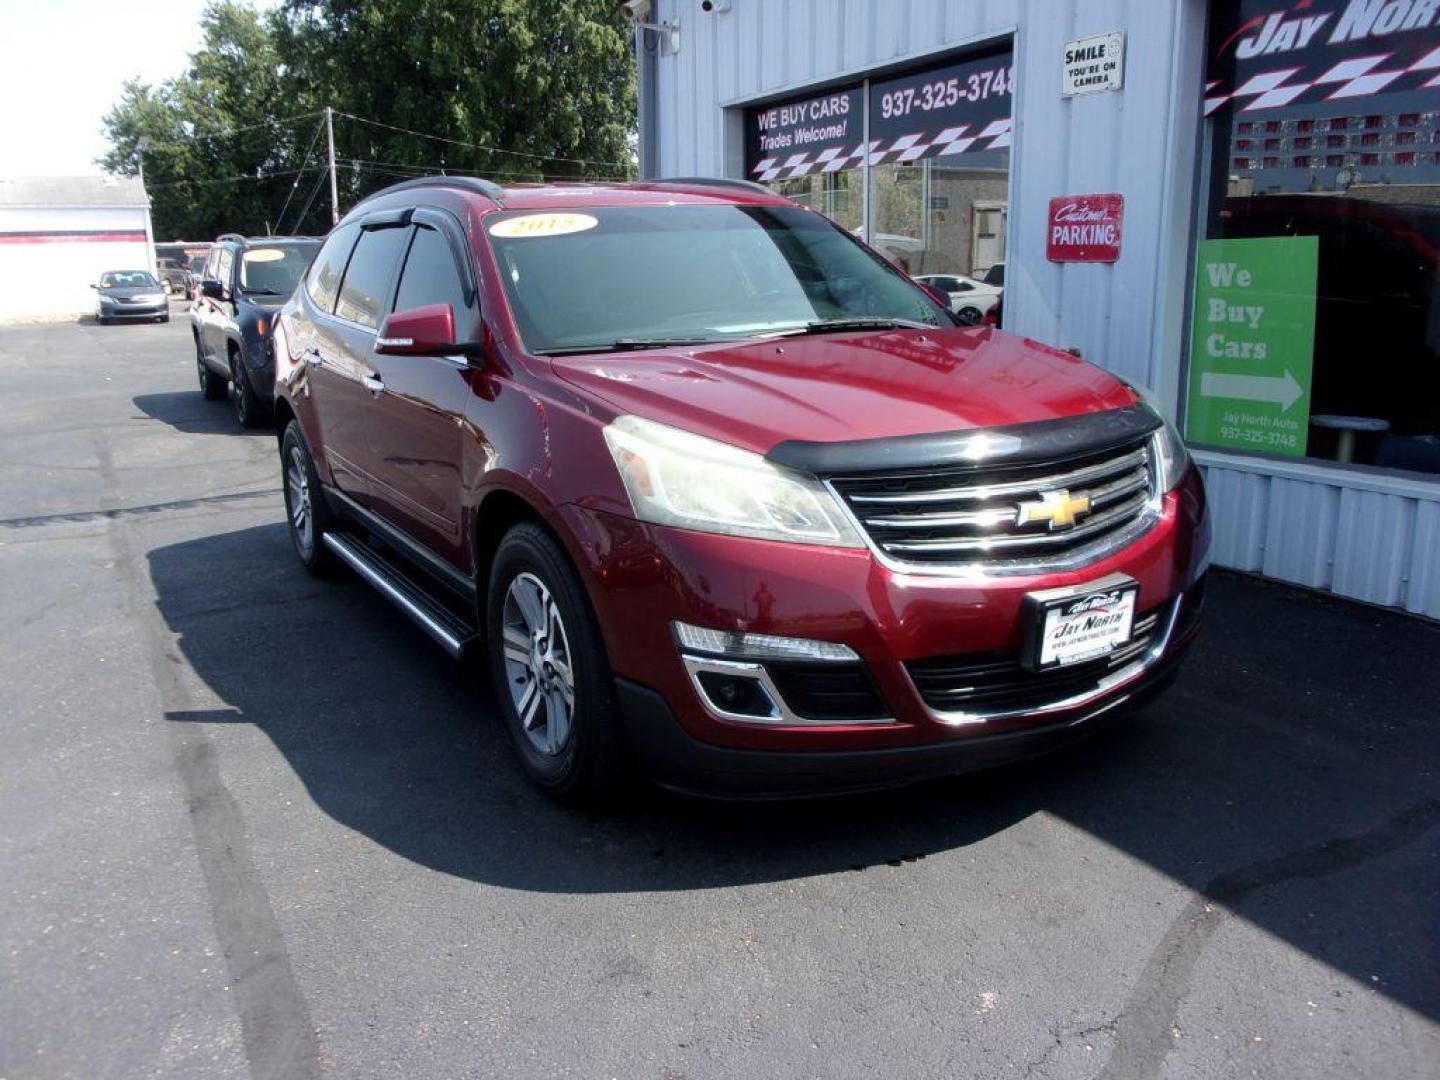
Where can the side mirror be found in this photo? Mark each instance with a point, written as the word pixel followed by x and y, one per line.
pixel 939 295
pixel 421 331
pixel 212 288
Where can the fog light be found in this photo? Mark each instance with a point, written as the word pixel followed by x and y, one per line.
pixel 733 643
pixel 740 695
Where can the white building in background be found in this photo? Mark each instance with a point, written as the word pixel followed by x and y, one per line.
pixel 1233 202
pixel 58 234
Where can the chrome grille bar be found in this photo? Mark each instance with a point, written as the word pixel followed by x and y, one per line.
pixel 1020 518
pixel 1074 478
pixel 1096 524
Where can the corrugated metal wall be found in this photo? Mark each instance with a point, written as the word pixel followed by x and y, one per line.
pixel 1370 537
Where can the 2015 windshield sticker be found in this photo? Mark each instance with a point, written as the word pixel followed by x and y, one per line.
pixel 531 225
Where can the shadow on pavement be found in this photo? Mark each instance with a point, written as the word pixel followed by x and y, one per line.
pixel 187 411
pixel 1289 774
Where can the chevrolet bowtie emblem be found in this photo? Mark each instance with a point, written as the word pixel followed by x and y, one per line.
pixel 1059 508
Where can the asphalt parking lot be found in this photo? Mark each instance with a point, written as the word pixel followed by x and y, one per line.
pixel 255 824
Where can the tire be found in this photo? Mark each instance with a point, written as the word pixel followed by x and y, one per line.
pixel 165 318
pixel 103 320
pixel 249 409
pixel 307 515
pixel 211 385
pixel 576 756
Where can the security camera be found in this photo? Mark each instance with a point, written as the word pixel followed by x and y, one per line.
pixel 638 12
pixel 714 7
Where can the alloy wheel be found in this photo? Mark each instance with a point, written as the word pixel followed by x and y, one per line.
pixel 297 503
pixel 538 667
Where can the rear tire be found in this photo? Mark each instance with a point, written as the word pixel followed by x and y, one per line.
pixel 211 385
pixel 550 672
pixel 308 516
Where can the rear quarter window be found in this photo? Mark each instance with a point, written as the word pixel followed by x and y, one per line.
pixel 323 283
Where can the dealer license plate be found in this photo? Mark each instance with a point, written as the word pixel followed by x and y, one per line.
pixel 1073 625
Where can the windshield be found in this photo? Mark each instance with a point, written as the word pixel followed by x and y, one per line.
pixel 274 270
pixel 606 276
pixel 127 279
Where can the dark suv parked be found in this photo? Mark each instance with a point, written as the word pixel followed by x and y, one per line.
pixel 241 288
pixel 717 490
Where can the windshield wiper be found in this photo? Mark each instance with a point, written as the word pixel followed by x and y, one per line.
pixel 263 292
pixel 861 322
pixel 625 345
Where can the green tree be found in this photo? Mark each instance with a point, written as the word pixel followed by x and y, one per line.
pixel 523 89
pixel 513 89
pixel 220 155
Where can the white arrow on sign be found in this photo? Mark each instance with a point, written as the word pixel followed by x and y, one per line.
pixel 1280 390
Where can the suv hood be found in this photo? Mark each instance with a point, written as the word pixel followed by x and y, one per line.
pixel 839 387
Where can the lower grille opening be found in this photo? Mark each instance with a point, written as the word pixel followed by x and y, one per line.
pixel 828 693
pixel 997 682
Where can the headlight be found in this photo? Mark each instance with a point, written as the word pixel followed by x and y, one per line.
pixel 1171 457
pixel 676 478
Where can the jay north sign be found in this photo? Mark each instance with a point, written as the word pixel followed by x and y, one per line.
pixel 1280 53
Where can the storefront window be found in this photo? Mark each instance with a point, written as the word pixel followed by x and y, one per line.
pixel 935 156
pixel 1316 321
pixel 810 149
pixel 940 165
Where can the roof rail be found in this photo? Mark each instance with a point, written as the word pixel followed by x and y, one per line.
pixel 710 181
pixel 492 191
pixel 230 237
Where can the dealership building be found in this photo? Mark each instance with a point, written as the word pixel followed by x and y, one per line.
pixel 58 234
pixel 1234 203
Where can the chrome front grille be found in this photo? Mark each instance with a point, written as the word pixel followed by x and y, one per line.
pixel 1027 516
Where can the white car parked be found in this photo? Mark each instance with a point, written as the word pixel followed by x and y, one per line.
pixel 969 299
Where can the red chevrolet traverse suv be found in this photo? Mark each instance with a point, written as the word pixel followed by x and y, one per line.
pixel 721 494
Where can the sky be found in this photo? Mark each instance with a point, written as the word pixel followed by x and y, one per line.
pixel 62 63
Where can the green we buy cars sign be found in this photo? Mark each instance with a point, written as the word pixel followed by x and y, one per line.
pixel 1252 344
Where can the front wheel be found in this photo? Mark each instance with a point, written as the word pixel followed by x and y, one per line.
pixel 248 408
pixel 549 670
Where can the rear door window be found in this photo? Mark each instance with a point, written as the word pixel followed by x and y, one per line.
pixel 323 284
pixel 223 266
pixel 366 289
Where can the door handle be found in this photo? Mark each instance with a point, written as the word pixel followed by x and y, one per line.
pixel 372 383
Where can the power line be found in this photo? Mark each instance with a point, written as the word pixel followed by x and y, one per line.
pixel 319 180
pixel 481 146
pixel 234 130
pixel 305 164
pixel 278 174
pixel 450 170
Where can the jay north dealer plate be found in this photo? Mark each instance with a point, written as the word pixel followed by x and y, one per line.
pixel 1078 623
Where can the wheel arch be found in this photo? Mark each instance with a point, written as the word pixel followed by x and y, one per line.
pixel 496 514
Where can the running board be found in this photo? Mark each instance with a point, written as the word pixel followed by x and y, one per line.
pixel 450 630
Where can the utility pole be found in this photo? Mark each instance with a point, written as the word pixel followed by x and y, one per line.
pixel 330 144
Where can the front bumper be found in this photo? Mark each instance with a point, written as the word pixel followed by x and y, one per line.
pixel 134 311
pixel 678 761
pixel 642 578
